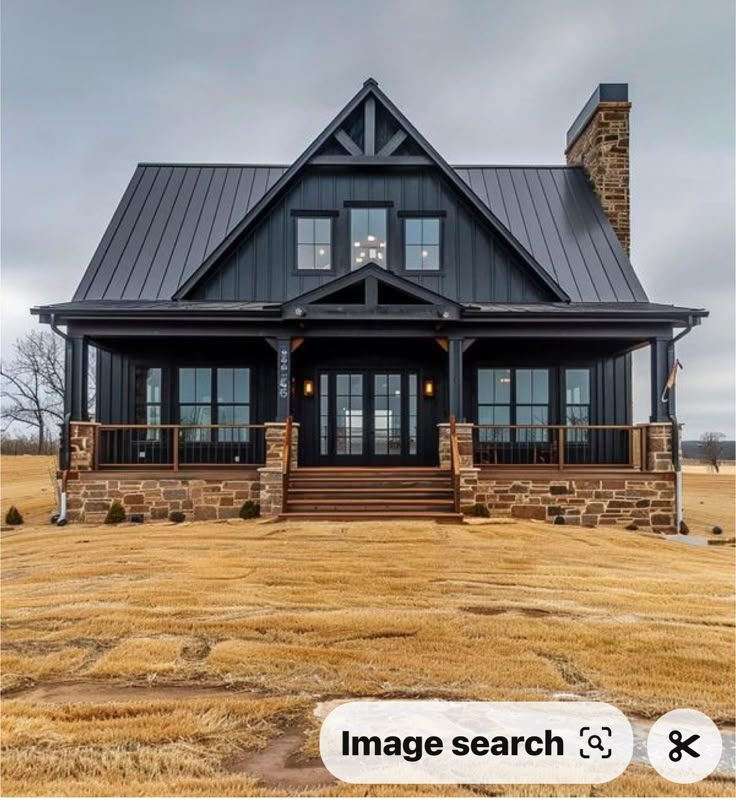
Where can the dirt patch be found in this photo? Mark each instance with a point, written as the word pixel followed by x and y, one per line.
pixel 528 612
pixel 281 764
pixel 568 671
pixel 64 692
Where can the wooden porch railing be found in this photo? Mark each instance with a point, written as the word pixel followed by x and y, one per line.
pixel 561 446
pixel 455 462
pixel 286 462
pixel 178 446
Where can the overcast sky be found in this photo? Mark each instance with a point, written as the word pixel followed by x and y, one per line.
pixel 91 87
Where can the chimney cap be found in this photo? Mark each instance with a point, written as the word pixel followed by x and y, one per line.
pixel 617 93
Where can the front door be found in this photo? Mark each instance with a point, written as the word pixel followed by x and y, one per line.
pixel 368 417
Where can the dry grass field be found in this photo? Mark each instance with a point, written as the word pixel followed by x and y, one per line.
pixel 188 659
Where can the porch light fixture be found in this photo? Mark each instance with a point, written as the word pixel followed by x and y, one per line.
pixel 308 387
pixel 299 311
pixel 445 314
pixel 428 387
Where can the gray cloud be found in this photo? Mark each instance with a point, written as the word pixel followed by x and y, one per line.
pixel 89 88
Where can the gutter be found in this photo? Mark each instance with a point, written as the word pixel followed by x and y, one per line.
pixel 60 519
pixel 676 434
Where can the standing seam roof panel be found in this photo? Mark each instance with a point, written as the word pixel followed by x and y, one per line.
pixel 167 223
pixel 142 268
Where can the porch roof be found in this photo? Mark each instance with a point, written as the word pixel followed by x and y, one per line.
pixel 195 310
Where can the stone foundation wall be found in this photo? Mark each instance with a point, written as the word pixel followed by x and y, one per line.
pixel 91 495
pixel 647 500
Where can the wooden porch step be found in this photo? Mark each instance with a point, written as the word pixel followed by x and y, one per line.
pixel 371 493
pixel 393 504
pixel 370 489
pixel 440 517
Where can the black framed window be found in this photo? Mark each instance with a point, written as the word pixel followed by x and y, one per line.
pixel 148 384
pixel 577 403
pixel 514 397
pixel 532 404
pixel 494 403
pixel 233 403
pixel 195 402
pixel 422 244
pixel 314 243
pixel 368 235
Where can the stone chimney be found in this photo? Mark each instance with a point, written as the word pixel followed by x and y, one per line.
pixel 599 141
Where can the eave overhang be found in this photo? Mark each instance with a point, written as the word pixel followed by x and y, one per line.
pixel 435 314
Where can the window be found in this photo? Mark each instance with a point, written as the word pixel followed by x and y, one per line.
pixel 513 397
pixel 233 403
pixel 494 403
pixel 368 236
pixel 422 244
pixel 314 244
pixel 577 403
pixel 532 404
pixel 195 402
pixel 148 400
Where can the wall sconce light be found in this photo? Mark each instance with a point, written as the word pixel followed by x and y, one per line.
pixel 428 388
pixel 308 388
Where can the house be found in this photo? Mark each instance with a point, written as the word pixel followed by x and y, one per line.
pixel 371 332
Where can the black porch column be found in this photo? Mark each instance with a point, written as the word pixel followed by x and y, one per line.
pixel 455 376
pixel 661 364
pixel 76 371
pixel 283 379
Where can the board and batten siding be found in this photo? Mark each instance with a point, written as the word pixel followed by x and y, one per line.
pixel 476 266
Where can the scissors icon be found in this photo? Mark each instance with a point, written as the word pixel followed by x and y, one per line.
pixel 679 746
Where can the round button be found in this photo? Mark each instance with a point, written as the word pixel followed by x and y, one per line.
pixel 684 746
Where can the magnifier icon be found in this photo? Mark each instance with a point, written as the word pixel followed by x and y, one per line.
pixel 595 742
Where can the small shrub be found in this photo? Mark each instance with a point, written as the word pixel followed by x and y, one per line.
pixel 137 518
pixel 632 527
pixel 250 510
pixel 116 513
pixel 177 517
pixel 13 518
pixel 684 528
pixel 480 511
pixel 717 530
pixel 559 520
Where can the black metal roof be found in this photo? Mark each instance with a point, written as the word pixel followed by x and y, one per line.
pixel 172 217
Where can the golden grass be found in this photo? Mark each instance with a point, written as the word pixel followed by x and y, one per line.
pixel 27 483
pixel 710 500
pixel 287 615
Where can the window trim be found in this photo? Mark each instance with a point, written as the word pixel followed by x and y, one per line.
pixel 404 218
pixel 300 214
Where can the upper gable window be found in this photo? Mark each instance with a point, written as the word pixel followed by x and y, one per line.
pixel 314 243
pixel 422 244
pixel 368 236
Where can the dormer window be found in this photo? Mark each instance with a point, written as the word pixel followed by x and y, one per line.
pixel 314 243
pixel 368 235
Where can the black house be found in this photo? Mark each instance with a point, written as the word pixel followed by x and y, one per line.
pixel 370 293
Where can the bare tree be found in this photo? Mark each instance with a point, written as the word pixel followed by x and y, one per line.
pixel 711 448
pixel 33 385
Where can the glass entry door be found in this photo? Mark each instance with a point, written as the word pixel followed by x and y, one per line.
pixel 368 418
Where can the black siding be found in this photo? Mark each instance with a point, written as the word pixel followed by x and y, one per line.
pixel 476 266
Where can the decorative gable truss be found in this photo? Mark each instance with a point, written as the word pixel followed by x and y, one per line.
pixel 370 133
pixel 371 130
pixel 371 293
